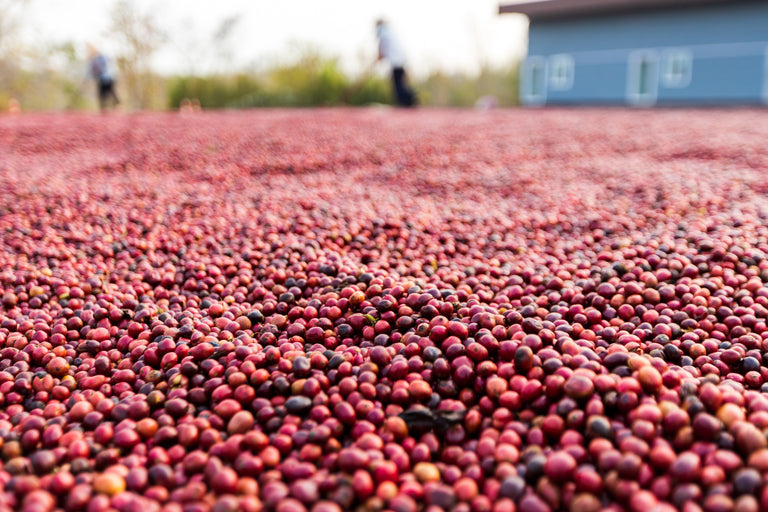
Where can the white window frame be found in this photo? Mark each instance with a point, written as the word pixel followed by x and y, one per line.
pixel 531 65
pixel 638 60
pixel 561 71
pixel 672 77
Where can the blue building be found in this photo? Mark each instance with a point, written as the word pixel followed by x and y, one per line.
pixel 645 52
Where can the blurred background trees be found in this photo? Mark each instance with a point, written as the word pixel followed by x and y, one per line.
pixel 38 78
pixel 52 77
pixel 312 79
pixel 10 54
pixel 138 37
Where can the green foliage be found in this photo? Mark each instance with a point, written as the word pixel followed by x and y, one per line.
pixel 48 79
pixel 217 91
pixel 309 81
pixel 460 90
pixel 312 81
pixel 369 90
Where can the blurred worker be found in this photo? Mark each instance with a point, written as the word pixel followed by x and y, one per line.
pixel 100 69
pixel 391 50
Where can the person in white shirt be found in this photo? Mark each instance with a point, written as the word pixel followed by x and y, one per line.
pixel 391 50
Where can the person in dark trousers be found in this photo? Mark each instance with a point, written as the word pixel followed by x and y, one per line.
pixel 100 70
pixel 390 49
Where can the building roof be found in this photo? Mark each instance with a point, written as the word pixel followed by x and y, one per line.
pixel 554 9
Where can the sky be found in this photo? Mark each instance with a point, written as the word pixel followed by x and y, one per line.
pixel 445 35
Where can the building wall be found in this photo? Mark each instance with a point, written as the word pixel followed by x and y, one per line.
pixel 721 54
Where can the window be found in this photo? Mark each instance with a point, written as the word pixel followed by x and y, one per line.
pixel 643 78
pixel 677 65
pixel 561 72
pixel 533 86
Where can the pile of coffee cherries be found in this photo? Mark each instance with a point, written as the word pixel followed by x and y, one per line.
pixel 370 310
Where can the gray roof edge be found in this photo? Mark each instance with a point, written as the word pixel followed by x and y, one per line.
pixel 551 9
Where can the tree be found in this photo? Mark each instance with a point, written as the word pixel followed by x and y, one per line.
pixel 310 80
pixel 221 41
pixel 139 38
pixel 10 70
pixel 65 70
pixel 10 12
